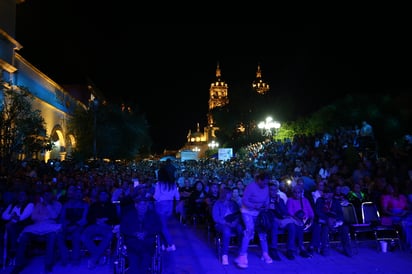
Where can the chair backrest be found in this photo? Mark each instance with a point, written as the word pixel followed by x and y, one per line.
pixel 349 214
pixel 370 213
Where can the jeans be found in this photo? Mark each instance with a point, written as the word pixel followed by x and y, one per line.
pixel 105 234
pixel 289 229
pixel 165 210
pixel 24 241
pixel 227 233
pixel 249 233
pixel 139 254
pixel 75 236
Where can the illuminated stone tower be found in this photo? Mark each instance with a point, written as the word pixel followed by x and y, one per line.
pixel 258 84
pixel 218 92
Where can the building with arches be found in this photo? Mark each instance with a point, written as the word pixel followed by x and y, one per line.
pixel 55 102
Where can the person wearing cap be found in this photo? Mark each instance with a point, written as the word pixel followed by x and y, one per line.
pixel 139 225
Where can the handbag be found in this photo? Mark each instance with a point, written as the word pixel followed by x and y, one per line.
pixel 264 221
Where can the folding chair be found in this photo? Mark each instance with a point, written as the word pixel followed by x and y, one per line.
pixel 355 228
pixel 389 233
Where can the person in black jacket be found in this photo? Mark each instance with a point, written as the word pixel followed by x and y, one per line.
pixel 139 226
pixel 329 217
pixel 101 217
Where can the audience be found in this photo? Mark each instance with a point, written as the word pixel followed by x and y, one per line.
pixel 346 167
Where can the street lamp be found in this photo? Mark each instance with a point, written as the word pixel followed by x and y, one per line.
pixel 213 144
pixel 267 126
pixel 94 103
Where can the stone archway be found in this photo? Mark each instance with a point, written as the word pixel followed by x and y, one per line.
pixel 59 144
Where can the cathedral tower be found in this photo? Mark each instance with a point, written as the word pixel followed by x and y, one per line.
pixel 259 85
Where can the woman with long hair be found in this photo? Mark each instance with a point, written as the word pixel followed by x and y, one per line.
pixel 166 192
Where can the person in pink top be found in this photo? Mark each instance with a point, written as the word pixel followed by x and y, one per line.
pixel 255 198
pixel 299 207
pixel 394 205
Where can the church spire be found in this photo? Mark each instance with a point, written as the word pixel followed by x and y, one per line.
pixel 258 84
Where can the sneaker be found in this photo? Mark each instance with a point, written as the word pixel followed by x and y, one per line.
pixel 171 248
pixel 273 253
pixel 225 260
pixel 290 255
pixel 266 258
pixel 241 261
pixel 163 248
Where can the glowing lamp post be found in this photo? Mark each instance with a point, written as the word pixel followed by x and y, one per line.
pixel 213 145
pixel 94 104
pixel 267 126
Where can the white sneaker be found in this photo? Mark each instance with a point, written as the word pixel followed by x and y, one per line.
pixel 266 258
pixel 225 260
pixel 242 261
pixel 171 248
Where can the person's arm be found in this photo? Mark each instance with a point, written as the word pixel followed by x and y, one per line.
pixel 156 194
pixel 177 194
pixel 7 214
pixel 83 220
pixel 54 209
pixel 217 215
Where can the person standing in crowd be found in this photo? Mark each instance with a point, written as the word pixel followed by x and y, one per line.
pixel 171 169
pixel 228 221
pixel 16 216
pixel 139 226
pixel 255 198
pixel 44 217
pixel 166 192
pixel 101 218
pixel 73 218
pixel 366 130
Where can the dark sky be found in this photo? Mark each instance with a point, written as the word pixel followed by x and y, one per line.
pixel 166 69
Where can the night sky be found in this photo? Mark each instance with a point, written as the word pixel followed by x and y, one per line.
pixel 166 69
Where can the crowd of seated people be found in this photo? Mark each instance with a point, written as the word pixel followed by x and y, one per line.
pixel 334 161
